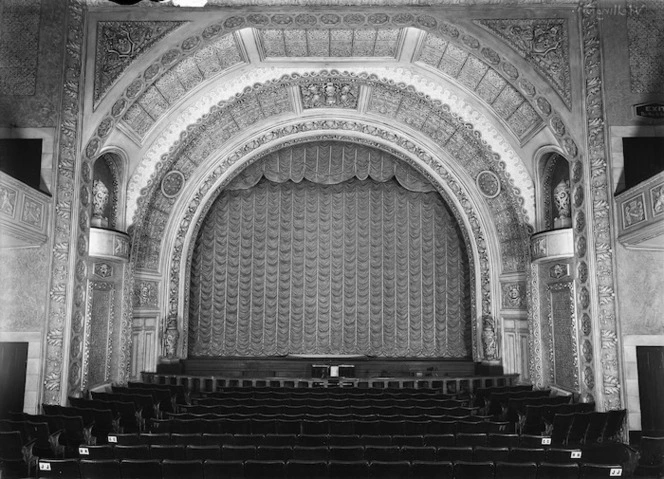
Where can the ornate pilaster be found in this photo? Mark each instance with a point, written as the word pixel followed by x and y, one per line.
pixel 66 301
pixel 596 298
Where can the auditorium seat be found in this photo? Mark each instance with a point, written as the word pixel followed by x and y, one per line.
pixel 415 453
pixel 415 441
pixel 216 439
pixel 612 453
pixel 389 469
pixel 547 470
pixel 614 425
pixel 502 440
pixel 367 428
pixel 483 453
pixel 307 469
pixel 152 439
pixel 528 440
pixel 263 426
pixel 431 470
pixel 527 454
pixel 439 440
pixel 124 439
pixel 58 468
pixel 417 428
pixel 473 470
pixel 99 468
pixel 187 439
pixel 284 426
pixel 381 453
pixel 520 470
pixel 341 427
pixel 202 453
pixel 599 471
pixel 191 469
pixel 348 469
pixel 306 453
pixel 237 453
pixel 651 460
pixel 104 451
pixel 456 453
pixel 140 469
pixel 168 451
pixel 345 440
pixel 472 427
pixel 140 451
pixel 274 453
pixel 223 469
pixel 264 469
pixel 312 440
pixel 562 424
pixel 471 439
pixel 246 439
pixel 596 427
pixel 559 455
pixel 441 427
pixel 376 440
pixel 346 453
pixel 577 431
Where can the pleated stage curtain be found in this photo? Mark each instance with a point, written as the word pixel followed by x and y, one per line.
pixel 359 267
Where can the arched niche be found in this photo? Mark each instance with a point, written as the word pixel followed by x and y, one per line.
pixel 554 192
pixel 108 173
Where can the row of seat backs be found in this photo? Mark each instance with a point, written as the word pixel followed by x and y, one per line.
pixel 275 400
pixel 171 469
pixel 609 454
pixel 325 410
pixel 535 417
pixel 129 415
pixel 162 398
pixel 102 419
pixel 481 394
pixel 587 427
pixel 72 429
pixel 263 391
pixel 496 403
pixel 177 390
pixel 145 402
pixel 516 407
pixel 438 440
pixel 325 426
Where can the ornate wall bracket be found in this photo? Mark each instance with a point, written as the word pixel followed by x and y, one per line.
pixel 108 244
pixel 548 245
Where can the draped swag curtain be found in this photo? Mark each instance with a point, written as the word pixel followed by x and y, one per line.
pixel 359 266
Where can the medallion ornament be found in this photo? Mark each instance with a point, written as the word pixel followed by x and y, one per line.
pixel 172 183
pixel 329 95
pixel 488 183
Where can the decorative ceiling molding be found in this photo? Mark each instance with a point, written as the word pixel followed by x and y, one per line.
pixel 486 81
pixel 646 37
pixel 544 42
pixel 519 179
pixel 334 3
pixel 323 42
pixel 119 44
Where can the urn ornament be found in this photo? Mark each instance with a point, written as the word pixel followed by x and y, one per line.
pixel 561 198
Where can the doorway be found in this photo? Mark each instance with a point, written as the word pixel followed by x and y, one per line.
pixel 650 366
pixel 13 368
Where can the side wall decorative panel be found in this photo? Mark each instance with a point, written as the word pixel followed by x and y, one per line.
pixel 143 344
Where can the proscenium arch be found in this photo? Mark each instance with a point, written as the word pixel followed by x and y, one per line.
pixel 479 231
pixel 217 188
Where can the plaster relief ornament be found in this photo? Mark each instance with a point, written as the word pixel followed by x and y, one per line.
pixel 657 197
pixel 171 338
pixel 489 344
pixel 329 95
pixel 561 198
pixel 488 183
pixel 99 203
pixel 7 201
pixel 633 212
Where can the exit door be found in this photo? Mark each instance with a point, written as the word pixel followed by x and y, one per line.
pixel 13 366
pixel 650 365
